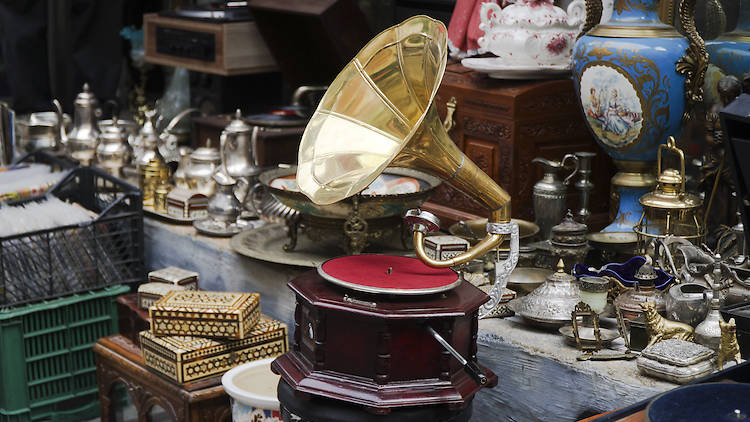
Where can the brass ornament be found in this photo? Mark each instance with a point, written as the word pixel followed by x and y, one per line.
pixel 729 349
pixel 660 328
pixel 694 63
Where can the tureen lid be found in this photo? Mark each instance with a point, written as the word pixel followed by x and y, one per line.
pixel 553 302
pixel 206 153
pixel 569 232
pixel 237 124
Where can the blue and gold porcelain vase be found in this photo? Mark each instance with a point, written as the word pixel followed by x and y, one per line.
pixel 636 78
pixel 731 50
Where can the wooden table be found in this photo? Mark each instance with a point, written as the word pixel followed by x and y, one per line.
pixel 118 360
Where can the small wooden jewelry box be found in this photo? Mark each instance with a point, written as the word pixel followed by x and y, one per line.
pixel 442 247
pixel 184 359
pixel 206 314
pixel 149 293
pixel 183 203
pixel 174 275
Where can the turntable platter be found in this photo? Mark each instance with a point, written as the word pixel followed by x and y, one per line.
pixel 721 401
pixel 387 274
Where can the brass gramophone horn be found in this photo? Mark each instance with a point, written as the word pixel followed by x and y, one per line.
pixel 379 112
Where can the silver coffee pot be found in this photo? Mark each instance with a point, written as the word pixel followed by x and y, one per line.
pixel 223 206
pixel 80 143
pixel 112 150
pixel 203 164
pixel 179 177
pixel 549 194
pixel 237 148
pixel 145 143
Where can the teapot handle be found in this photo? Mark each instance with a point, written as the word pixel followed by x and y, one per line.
pixel 576 12
pixel 223 148
pixel 250 195
pixel 593 16
pixel 486 22
pixel 575 169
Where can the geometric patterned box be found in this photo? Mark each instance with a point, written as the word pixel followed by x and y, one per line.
pixel 205 314
pixel 185 359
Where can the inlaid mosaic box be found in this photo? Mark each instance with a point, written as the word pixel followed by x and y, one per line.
pixel 184 359
pixel 205 314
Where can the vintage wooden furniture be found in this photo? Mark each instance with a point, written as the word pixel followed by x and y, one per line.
pixel 132 319
pixel 221 48
pixel 119 362
pixel 375 351
pixel 311 40
pixel 502 125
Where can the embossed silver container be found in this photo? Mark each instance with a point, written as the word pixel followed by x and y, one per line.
pixel 549 194
pixel 552 303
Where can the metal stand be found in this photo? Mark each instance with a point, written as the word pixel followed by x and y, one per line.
pixel 583 310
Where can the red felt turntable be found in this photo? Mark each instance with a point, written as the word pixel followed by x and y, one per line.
pixel 379 350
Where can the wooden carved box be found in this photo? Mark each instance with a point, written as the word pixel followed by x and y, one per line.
pixel 207 314
pixel 375 351
pixel 185 359
pixel 502 125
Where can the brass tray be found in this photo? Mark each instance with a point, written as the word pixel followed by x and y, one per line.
pixel 168 218
pixel 475 230
pixel 613 241
pixel 267 244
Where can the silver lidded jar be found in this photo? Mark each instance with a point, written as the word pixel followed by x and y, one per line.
pixel 112 150
pixel 203 164
pixel 551 304
pixel 687 302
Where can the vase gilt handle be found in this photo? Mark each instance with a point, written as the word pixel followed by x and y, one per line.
pixel 593 16
pixel 695 61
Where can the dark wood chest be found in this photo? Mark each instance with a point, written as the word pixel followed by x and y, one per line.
pixel 502 125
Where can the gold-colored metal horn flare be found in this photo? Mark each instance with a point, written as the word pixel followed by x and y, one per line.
pixel 379 112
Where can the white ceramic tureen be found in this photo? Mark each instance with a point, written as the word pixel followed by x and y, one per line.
pixel 531 33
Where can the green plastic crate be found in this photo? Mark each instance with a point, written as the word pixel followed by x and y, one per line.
pixel 46 361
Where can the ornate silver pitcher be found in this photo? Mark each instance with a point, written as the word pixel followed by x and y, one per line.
pixel 549 194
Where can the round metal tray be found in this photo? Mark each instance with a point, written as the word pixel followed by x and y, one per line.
pixel 267 244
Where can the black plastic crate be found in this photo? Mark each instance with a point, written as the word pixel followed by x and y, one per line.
pixel 104 252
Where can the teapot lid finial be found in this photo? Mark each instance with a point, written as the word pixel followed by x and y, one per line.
pixel 238 114
pixel 560 266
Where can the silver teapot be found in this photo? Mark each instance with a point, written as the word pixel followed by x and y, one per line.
pixel 549 194
pixel 112 150
pixel 80 143
pixel 203 164
pixel 237 148
pixel 145 143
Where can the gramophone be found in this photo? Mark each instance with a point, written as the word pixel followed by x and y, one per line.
pixel 381 331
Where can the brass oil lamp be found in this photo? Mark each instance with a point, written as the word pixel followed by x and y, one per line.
pixel 669 209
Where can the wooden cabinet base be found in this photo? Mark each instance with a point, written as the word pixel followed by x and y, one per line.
pixel 119 361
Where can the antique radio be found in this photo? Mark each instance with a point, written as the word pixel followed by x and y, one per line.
pixel 388 332
pixel 222 48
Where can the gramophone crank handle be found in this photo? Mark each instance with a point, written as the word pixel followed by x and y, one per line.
pixel 470 367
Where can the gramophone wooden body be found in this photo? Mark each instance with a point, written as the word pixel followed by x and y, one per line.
pixel 375 351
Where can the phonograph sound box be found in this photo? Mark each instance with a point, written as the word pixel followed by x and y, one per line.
pixel 380 331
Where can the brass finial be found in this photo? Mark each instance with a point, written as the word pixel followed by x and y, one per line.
pixel 560 266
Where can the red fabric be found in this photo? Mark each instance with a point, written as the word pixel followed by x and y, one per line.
pixel 463 29
pixel 372 271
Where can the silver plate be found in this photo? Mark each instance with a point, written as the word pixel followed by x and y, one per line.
pixel 586 335
pixel 267 244
pixel 387 291
pixel 211 227
pixel 169 218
